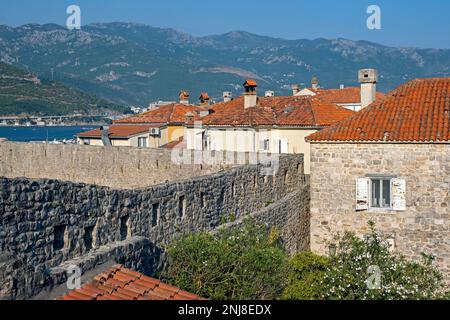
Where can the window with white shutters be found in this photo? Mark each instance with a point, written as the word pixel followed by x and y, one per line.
pixel 380 192
pixel 362 194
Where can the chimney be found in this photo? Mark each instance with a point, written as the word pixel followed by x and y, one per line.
pixel 341 87
pixel 270 93
pixel 189 117
pixel 105 136
pixel 250 96
pixel 315 83
pixel 227 96
pixel 368 79
pixel 204 99
pixel 184 97
pixel 295 89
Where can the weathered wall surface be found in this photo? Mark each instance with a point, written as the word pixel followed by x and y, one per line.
pixel 290 215
pixel 118 167
pixel 423 227
pixel 47 223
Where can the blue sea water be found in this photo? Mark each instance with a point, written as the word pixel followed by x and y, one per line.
pixel 27 134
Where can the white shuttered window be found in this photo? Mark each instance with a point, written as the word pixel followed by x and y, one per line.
pixel 380 193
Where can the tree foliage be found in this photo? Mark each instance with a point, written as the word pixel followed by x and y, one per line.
pixel 236 263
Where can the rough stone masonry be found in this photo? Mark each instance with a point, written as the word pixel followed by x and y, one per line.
pixel 48 225
pixel 424 227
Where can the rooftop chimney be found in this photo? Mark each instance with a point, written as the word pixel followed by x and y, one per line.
pixel 250 96
pixel 315 83
pixel 184 97
pixel 342 86
pixel 204 99
pixel 227 96
pixel 270 93
pixel 105 136
pixel 368 79
pixel 295 89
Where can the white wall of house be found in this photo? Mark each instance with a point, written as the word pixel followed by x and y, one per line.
pixel 275 140
pixel 151 141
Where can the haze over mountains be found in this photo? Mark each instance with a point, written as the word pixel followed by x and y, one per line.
pixel 135 64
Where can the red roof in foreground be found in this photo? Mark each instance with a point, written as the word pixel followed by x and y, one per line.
pixel 418 111
pixel 117 131
pixel 168 114
pixel 283 111
pixel 120 283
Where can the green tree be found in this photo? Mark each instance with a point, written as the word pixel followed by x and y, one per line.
pixel 235 263
pixel 305 277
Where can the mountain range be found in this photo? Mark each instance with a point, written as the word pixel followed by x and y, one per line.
pixel 135 64
pixel 23 93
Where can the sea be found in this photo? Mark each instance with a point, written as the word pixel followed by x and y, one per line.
pixel 45 133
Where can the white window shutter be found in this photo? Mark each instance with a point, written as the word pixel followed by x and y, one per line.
pixel 362 194
pixel 398 194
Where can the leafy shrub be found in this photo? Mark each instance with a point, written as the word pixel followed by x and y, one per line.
pixel 364 269
pixel 236 263
pixel 306 273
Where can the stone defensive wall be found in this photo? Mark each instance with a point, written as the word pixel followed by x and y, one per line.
pixel 50 222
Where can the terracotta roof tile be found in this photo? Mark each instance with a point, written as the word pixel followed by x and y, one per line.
pixel 418 111
pixel 347 95
pixel 118 131
pixel 168 114
pixel 120 283
pixel 281 111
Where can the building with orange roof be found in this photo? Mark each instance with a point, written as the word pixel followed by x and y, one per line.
pixel 125 135
pixel 263 124
pixel 352 98
pixel 388 163
pixel 154 128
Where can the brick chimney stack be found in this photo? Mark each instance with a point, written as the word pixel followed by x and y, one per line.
pixel 184 97
pixel 204 99
pixel 250 96
pixel 315 83
pixel 368 79
pixel 295 89
pixel 227 96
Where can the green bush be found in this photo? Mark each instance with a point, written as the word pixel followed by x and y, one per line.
pixel 236 263
pixel 306 273
pixel 364 269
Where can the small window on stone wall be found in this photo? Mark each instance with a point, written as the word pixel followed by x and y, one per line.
pixel 88 238
pixel 155 214
pixel 123 228
pixel 181 206
pixel 58 237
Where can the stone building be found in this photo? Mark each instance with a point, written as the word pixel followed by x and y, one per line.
pixel 389 164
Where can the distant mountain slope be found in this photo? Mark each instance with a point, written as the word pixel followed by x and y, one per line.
pixel 24 93
pixel 136 64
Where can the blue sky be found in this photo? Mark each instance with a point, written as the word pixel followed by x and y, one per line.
pixel 416 23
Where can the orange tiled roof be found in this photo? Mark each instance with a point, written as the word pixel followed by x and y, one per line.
pixel 168 114
pixel 418 111
pixel 281 111
pixel 120 283
pixel 118 131
pixel 342 96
